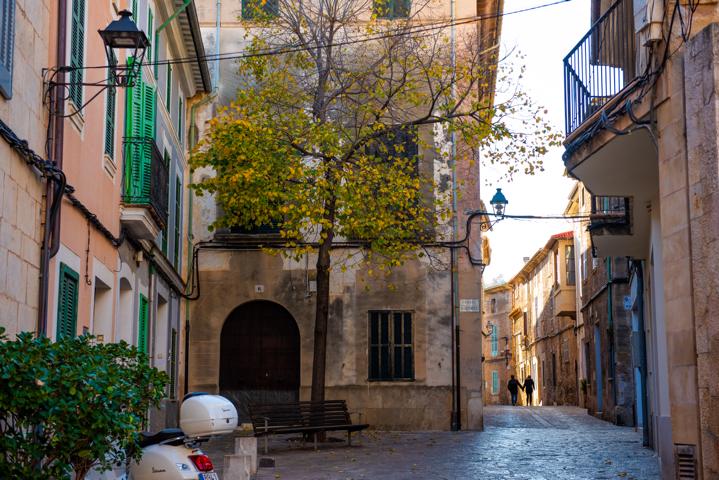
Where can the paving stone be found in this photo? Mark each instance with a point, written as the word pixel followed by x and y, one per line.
pixel 534 443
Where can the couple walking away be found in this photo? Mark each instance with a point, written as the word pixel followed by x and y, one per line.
pixel 528 386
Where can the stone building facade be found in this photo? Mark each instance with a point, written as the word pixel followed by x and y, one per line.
pixel 253 323
pixel 608 358
pixel 543 317
pixel 497 358
pixel 647 145
pixel 25 35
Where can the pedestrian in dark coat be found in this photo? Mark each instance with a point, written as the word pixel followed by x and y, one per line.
pixel 528 388
pixel 513 386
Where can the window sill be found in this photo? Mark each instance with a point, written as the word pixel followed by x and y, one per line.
pixel 76 118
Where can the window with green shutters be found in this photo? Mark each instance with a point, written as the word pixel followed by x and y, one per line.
pixel 7 44
pixel 68 287
pixel 257 9
pixel 150 32
pixel 168 89
pixel 110 119
pixel 139 133
pixel 178 221
pixel 77 51
pixel 143 324
pixel 390 9
pixel 495 382
pixel 495 341
pixel 166 158
pixel 180 133
pixel 173 364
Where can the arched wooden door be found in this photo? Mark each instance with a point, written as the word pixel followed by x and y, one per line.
pixel 259 356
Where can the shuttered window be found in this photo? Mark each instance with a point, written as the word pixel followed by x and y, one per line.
pixel 391 354
pixel 68 287
pixel 150 33
pixel 495 341
pixel 178 221
pixel 110 118
pixel 173 364
pixel 77 51
pixel 180 114
pixel 168 90
pixel 256 9
pixel 7 44
pixel 495 382
pixel 143 324
pixel 390 9
pixel 139 125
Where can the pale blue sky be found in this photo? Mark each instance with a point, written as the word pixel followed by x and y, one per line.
pixel 545 36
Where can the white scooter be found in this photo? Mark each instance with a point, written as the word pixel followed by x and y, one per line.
pixel 174 453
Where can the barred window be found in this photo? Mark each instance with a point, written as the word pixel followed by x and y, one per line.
pixel 391 355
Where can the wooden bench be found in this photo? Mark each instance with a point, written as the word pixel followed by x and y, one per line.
pixel 303 417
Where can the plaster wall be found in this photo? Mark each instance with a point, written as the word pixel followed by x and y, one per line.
pixel 21 189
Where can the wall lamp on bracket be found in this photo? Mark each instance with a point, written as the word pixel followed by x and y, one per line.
pixel 123 34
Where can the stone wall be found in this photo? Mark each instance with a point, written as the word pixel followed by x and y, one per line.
pixel 21 190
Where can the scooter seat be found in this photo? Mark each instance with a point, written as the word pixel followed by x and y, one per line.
pixel 170 436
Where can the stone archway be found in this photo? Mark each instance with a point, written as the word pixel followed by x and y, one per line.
pixel 259 356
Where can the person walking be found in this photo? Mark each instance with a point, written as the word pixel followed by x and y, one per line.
pixel 513 386
pixel 528 388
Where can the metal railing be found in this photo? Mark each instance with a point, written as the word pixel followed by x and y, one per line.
pixel 146 177
pixel 600 65
pixel 609 211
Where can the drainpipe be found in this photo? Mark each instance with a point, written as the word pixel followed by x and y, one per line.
pixel 51 239
pixel 610 327
pixel 456 390
pixel 190 236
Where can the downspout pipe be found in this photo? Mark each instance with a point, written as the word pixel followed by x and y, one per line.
pixel 218 23
pixel 51 229
pixel 190 237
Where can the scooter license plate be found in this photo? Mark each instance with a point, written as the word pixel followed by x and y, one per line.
pixel 209 476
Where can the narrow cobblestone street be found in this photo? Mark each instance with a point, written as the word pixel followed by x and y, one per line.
pixel 518 443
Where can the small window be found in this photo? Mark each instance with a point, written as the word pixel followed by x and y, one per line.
pixel 7 44
pixel 180 114
pixel 391 355
pixel 67 294
pixel 391 8
pixel 493 305
pixel 77 52
pixel 143 324
pixel 259 9
pixel 569 264
pixel 110 118
pixel 495 382
pixel 495 341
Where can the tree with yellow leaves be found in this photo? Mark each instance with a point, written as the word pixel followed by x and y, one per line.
pixel 339 104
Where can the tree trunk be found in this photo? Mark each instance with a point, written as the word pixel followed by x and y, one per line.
pixel 321 320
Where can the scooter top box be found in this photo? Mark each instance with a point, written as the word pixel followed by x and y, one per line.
pixel 207 415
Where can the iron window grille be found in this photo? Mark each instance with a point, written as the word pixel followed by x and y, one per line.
pixel 391 352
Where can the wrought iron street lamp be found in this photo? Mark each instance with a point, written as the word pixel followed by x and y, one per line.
pixel 123 34
pixel 499 203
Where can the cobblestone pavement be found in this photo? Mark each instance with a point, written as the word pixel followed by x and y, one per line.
pixel 518 443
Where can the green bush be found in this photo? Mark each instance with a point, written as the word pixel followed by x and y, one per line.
pixel 71 405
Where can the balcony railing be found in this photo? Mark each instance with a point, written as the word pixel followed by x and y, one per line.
pixel 146 178
pixel 600 65
pixel 609 212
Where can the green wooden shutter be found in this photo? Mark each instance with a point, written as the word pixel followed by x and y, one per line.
pixel 142 324
pixel 134 116
pixel 68 287
pixel 110 119
pixel 77 51
pixel 180 114
pixel 150 32
pixel 495 382
pixel 7 44
pixel 168 89
pixel 148 134
pixel 178 221
pixel 173 363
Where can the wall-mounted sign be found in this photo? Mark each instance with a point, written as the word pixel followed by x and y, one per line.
pixel 469 305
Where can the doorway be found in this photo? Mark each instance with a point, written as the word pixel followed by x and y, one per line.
pixel 259 356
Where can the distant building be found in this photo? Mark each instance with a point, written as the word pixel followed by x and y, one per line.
pixel 543 316
pixel 607 362
pixel 496 352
